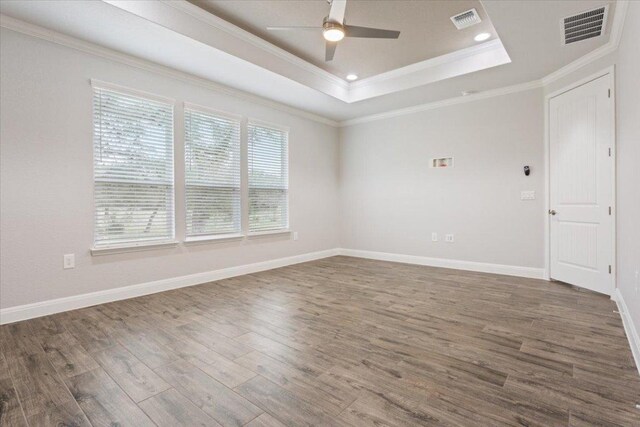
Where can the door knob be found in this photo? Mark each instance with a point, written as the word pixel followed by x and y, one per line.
pixel 552 212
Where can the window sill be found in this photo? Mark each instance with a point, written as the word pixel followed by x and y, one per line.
pixel 268 233
pixel 213 239
pixel 108 250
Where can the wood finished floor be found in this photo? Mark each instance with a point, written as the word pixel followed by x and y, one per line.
pixel 340 341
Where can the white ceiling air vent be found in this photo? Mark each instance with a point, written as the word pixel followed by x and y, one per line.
pixel 585 25
pixel 466 19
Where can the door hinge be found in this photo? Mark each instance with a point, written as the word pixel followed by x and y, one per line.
pixel 609 151
pixel 609 93
pixel 609 210
pixel 609 269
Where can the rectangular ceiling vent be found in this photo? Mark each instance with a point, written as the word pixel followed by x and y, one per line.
pixel 466 19
pixel 585 25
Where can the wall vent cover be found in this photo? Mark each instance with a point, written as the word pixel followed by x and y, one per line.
pixel 585 25
pixel 466 19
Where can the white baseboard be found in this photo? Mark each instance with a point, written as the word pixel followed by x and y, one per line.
pixel 38 309
pixel 482 267
pixel 43 308
pixel 629 327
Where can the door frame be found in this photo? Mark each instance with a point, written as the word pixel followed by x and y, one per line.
pixel 609 71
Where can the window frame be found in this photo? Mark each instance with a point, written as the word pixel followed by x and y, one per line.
pixel 287 130
pixel 225 115
pixel 133 245
pixel 177 138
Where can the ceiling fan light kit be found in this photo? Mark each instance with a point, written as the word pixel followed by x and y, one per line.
pixel 334 29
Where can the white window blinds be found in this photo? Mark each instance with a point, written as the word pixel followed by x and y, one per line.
pixel 268 178
pixel 133 169
pixel 212 173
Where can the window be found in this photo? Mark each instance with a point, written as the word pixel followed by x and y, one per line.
pixel 133 169
pixel 212 173
pixel 268 178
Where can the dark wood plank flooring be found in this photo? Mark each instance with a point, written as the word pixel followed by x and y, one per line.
pixel 336 342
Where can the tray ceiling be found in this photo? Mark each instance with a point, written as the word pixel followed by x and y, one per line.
pixel 195 43
pixel 426 30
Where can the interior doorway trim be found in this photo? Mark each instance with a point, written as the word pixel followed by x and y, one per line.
pixel 609 71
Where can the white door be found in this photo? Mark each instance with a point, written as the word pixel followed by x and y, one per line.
pixel 581 186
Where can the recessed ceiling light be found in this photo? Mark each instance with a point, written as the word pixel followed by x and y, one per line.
pixel 467 92
pixel 482 37
pixel 351 77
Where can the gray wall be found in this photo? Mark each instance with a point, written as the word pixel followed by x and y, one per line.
pixel 47 181
pixel 392 200
pixel 372 190
pixel 628 168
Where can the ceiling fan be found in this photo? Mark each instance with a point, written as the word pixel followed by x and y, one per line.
pixel 335 29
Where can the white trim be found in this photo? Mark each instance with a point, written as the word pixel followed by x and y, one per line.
pixel 194 22
pixel 93 49
pixel 43 308
pixel 132 247
pixel 213 238
pixel 617 27
pixel 71 42
pixel 583 81
pixel 125 90
pixel 212 111
pixel 483 267
pixel 629 327
pixel 610 71
pixel 219 23
pixel 267 233
pixel 269 125
pixel 444 103
pixel 416 67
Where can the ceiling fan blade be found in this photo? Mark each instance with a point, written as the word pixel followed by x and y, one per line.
pixel 370 33
pixel 330 51
pixel 292 28
pixel 336 13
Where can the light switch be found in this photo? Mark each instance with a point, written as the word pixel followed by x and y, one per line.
pixel 448 238
pixel 434 237
pixel 528 195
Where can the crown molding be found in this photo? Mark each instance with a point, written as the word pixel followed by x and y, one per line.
pixel 210 19
pixel 103 52
pixel 444 103
pixel 74 43
pixel 191 21
pixel 611 46
pixel 461 62
pixel 429 63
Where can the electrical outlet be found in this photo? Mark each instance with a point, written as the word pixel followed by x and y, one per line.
pixel 295 235
pixel 69 261
pixel 448 238
pixel 434 237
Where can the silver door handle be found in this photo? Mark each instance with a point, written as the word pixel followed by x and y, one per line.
pixel 552 212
